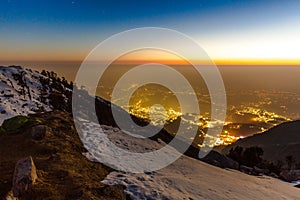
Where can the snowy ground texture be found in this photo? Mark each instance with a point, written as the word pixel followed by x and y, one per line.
pixel 191 179
pixel 187 178
pixel 121 151
pixel 15 99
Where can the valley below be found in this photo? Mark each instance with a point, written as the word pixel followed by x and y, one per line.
pixel 65 167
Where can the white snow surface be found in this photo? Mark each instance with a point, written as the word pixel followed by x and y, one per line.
pixel 11 102
pixel 113 147
pixel 186 178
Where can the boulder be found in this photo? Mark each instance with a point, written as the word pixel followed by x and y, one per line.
pixel 261 171
pixel 247 170
pixel 298 186
pixel 290 175
pixel 272 174
pixel 38 132
pixel 220 160
pixel 16 124
pixel 24 176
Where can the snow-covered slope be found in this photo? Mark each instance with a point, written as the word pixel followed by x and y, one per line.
pixel 187 178
pixel 23 91
pixel 19 92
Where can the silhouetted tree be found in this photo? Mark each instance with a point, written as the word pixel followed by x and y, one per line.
pixel 273 167
pixel 53 74
pixel 71 84
pixel 236 154
pixel 290 161
pixel 44 73
pixel 64 82
pixel 252 156
pixel 297 166
pixel 279 164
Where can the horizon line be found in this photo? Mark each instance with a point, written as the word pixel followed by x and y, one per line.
pixel 219 62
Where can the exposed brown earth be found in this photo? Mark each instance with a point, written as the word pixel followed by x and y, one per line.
pixel 63 173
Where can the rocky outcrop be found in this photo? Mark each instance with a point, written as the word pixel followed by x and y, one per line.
pixel 220 160
pixel 24 176
pixel 63 173
pixel 247 170
pixel 39 132
pixel 260 171
pixel 290 175
pixel 17 124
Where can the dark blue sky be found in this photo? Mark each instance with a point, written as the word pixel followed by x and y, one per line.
pixel 37 29
pixel 78 11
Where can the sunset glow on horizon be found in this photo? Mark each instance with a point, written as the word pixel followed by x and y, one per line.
pixel 168 99
pixel 239 33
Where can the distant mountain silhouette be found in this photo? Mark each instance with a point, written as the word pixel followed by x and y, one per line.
pixel 277 143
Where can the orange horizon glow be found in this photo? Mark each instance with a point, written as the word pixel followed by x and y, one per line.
pixel 219 62
pixel 145 56
pixel 256 62
pixel 165 57
pixel 222 62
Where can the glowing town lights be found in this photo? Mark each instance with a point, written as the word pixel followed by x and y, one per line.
pixel 204 122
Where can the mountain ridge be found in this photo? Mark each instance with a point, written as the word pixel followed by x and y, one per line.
pixel 278 142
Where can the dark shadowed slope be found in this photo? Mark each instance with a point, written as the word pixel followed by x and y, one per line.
pixel 278 142
pixel 63 172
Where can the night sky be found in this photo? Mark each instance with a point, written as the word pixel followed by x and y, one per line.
pixel 228 30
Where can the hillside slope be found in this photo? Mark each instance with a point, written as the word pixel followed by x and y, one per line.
pixel 23 91
pixel 186 178
pixel 63 172
pixel 191 179
pixel 277 143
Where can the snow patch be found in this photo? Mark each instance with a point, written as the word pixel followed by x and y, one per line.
pixel 119 150
pixel 15 99
pixel 186 178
